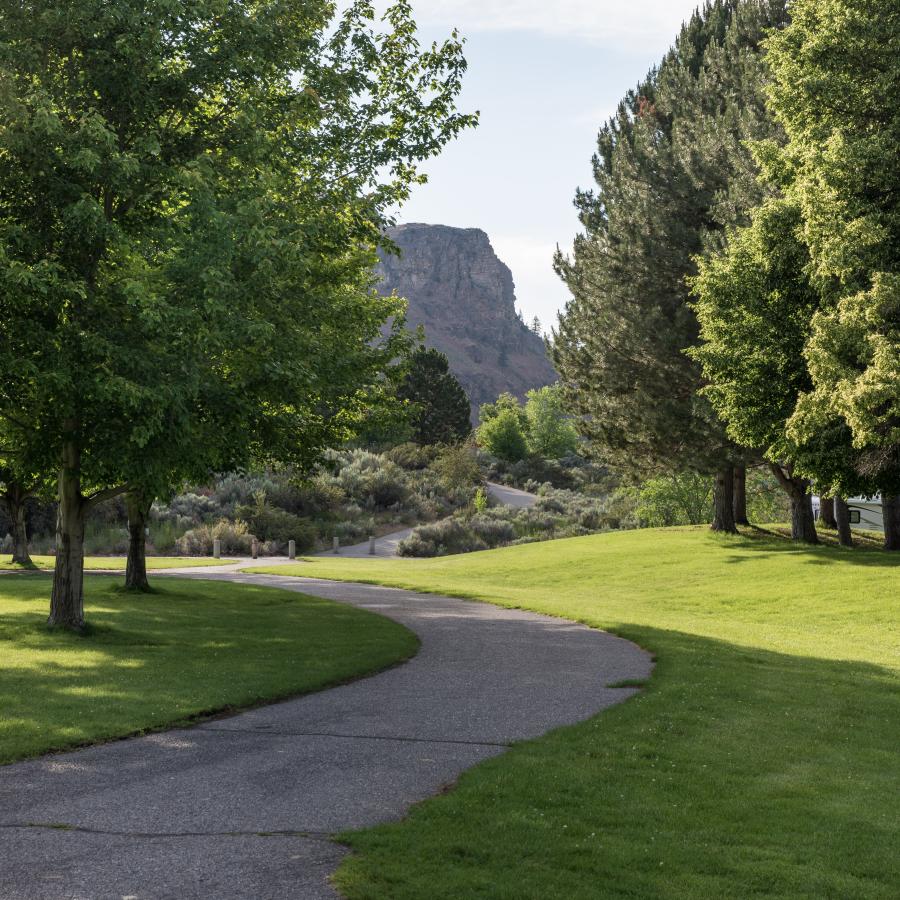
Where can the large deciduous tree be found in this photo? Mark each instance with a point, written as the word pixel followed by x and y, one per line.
pixel 836 91
pixel 755 305
pixel 672 170
pixel 190 198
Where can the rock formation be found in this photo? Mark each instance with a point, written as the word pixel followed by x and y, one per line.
pixel 464 297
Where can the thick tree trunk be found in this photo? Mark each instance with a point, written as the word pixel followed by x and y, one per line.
pixel 740 495
pixel 67 598
pixel 803 520
pixel 138 507
pixel 826 511
pixel 14 498
pixel 890 507
pixel 842 521
pixel 723 501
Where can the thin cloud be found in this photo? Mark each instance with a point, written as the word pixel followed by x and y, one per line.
pixel 602 22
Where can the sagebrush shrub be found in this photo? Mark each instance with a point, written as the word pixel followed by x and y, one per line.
pixel 235 537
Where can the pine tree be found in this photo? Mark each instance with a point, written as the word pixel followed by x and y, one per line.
pixel 672 171
pixel 441 412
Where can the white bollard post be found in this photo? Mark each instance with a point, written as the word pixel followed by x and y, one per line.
pixel 371 545
pixel 217 549
pixel 292 549
pixel 336 545
pixel 254 546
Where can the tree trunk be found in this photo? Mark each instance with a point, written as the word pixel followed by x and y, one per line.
pixel 842 521
pixel 138 507
pixel 723 501
pixel 14 498
pixel 827 515
pixel 740 495
pixel 890 507
pixel 803 521
pixel 67 598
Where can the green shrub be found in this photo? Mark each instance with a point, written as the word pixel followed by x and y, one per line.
pixel 163 537
pixel 458 468
pixel 316 498
pixel 504 436
pixel 766 499
pixel 551 434
pixel 277 526
pixel 235 537
pixel 684 499
pixel 412 457
pixel 441 539
pixel 101 539
pixel 370 480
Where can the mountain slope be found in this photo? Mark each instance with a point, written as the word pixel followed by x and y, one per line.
pixel 464 297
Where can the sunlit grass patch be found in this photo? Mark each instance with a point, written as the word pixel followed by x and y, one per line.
pixel 760 759
pixel 188 649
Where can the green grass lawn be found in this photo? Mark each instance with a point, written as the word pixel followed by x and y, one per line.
pixel 118 562
pixel 151 660
pixel 761 760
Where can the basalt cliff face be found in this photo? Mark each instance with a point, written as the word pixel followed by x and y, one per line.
pixel 464 297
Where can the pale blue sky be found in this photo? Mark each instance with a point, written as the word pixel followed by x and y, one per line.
pixel 544 75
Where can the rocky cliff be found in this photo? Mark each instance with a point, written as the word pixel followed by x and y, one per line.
pixel 464 297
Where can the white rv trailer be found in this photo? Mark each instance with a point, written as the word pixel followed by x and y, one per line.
pixel 866 513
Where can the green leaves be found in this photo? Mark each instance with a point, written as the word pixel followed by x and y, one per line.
pixel 440 412
pixel 191 194
pixel 835 90
pixel 673 171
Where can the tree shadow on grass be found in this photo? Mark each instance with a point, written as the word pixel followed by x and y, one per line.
pixel 737 771
pixel 763 540
pixel 191 649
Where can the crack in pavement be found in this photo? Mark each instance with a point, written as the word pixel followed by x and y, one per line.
pixel 262 731
pixel 83 829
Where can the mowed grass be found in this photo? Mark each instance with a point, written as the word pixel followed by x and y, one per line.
pixel 151 660
pixel 762 759
pixel 98 563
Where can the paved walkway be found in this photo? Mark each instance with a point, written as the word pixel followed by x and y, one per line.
pixel 388 545
pixel 244 807
pixel 385 546
pixel 510 496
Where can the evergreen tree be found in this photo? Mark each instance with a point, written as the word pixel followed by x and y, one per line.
pixel 440 410
pixel 672 171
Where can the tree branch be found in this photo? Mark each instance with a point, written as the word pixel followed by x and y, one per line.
pixel 106 494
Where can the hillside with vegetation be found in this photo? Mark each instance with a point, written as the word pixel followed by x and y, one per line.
pixel 463 295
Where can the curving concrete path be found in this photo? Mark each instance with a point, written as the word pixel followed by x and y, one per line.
pixel 388 545
pixel 244 807
pixel 510 496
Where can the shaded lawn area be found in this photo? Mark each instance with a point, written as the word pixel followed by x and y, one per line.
pixel 188 649
pixel 761 759
pixel 117 562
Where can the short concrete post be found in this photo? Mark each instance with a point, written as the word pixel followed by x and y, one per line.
pixel 336 545
pixel 292 549
pixel 217 549
pixel 371 545
pixel 254 547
